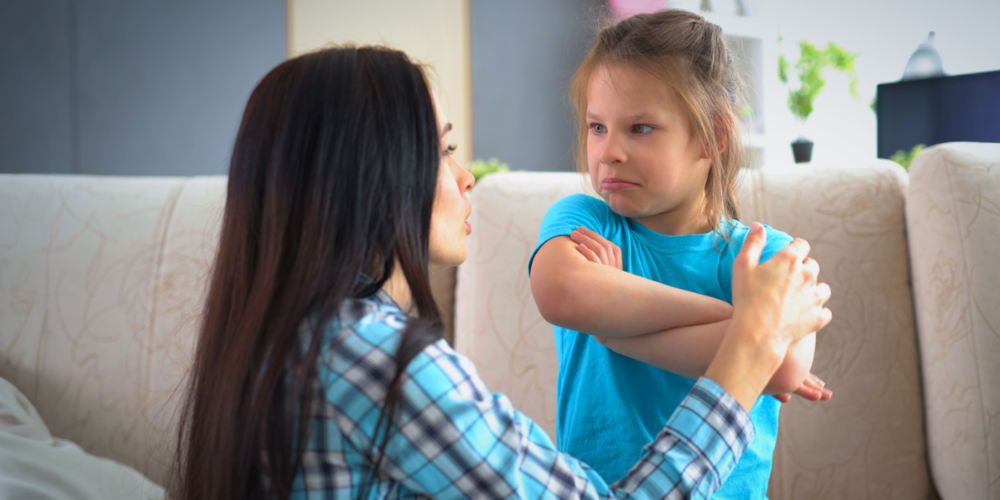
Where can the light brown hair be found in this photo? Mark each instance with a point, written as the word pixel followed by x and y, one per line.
pixel 689 55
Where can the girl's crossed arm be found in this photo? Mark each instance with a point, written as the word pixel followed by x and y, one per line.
pixel 578 283
pixel 575 293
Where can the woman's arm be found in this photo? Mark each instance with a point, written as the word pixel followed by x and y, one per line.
pixel 456 439
pixel 577 294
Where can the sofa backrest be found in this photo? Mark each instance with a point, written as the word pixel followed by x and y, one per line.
pixel 101 286
pixel 867 442
pixel 102 279
pixel 953 223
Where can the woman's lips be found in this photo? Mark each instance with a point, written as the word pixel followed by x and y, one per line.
pixel 468 228
pixel 616 184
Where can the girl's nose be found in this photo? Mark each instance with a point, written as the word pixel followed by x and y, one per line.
pixel 612 150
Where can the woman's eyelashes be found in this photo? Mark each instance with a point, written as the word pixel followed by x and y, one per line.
pixel 450 149
pixel 597 128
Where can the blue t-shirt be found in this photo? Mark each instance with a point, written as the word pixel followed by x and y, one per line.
pixel 610 405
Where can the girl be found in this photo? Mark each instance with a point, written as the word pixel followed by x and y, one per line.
pixel 320 371
pixel 657 97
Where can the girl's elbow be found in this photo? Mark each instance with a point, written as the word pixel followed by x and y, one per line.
pixel 788 378
pixel 551 299
pixel 794 370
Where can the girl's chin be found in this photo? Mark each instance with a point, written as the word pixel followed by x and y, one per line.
pixel 622 206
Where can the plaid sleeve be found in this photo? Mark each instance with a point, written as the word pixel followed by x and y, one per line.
pixel 455 439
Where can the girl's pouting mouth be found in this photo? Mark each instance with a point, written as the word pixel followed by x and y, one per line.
pixel 616 184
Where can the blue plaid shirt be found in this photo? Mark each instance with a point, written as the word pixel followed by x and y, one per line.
pixel 456 439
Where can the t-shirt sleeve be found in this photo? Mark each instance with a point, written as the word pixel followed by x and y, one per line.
pixel 570 213
pixel 776 242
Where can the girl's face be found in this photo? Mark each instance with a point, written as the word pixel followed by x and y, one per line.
pixel 449 228
pixel 641 155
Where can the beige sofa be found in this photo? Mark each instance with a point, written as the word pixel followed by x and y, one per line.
pixel 101 280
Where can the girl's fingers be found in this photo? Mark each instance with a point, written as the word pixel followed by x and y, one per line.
pixel 613 253
pixel 588 254
pixel 583 239
pixel 808 393
pixel 784 398
pixel 825 394
pixel 598 244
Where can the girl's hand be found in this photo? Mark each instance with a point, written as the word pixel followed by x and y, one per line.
pixel 596 249
pixel 812 389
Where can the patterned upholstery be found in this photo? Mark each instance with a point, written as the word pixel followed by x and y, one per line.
pixel 953 219
pixel 102 279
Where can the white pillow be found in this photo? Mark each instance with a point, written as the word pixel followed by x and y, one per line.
pixel 35 465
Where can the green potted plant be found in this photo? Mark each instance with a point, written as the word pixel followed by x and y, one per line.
pixel 808 81
pixel 482 168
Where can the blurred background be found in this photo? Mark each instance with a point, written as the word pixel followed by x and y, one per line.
pixel 157 87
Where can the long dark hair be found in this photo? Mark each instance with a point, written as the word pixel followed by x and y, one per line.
pixel 332 180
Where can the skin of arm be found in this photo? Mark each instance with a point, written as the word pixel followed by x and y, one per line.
pixel 688 351
pixel 684 350
pixel 577 294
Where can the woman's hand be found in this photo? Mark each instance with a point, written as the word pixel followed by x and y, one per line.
pixel 782 293
pixel 775 305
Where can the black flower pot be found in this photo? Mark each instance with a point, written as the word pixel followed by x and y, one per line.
pixel 802 148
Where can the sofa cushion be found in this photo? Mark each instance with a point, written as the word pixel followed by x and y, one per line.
pixel 101 283
pixel 865 443
pixel 33 464
pixel 953 222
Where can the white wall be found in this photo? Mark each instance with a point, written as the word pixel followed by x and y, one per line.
pixel 434 32
pixel 885 32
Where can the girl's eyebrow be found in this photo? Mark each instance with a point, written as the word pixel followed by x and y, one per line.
pixel 640 116
pixel 446 129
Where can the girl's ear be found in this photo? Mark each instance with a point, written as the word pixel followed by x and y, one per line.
pixel 725 124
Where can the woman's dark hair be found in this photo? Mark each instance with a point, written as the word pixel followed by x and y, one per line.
pixel 332 180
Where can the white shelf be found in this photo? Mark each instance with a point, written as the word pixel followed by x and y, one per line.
pixel 754 44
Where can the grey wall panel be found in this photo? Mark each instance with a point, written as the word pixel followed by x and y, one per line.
pixel 523 55
pixel 154 87
pixel 35 87
pixel 163 83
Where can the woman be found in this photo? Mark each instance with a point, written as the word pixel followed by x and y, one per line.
pixel 320 369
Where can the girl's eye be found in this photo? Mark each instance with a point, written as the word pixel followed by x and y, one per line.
pixel 450 149
pixel 641 129
pixel 598 128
